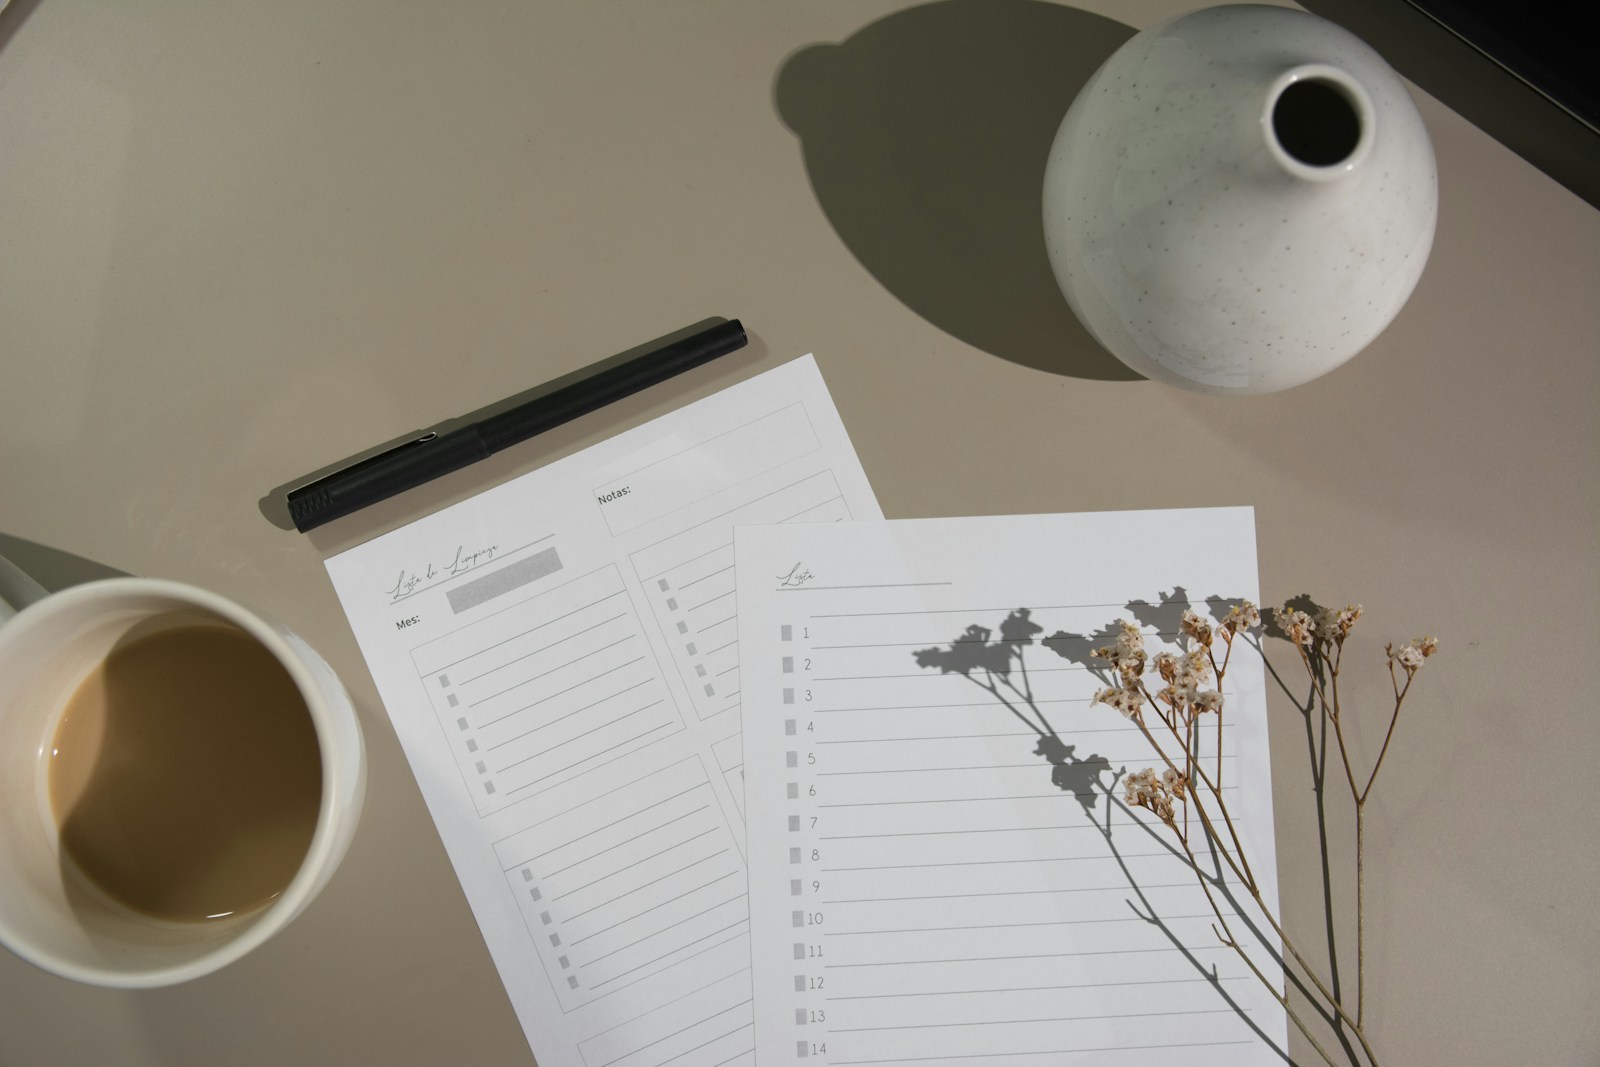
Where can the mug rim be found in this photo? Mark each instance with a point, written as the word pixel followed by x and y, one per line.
pixel 261 924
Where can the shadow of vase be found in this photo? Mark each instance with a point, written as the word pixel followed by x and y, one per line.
pixel 925 137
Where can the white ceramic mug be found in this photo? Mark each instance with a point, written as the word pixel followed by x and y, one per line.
pixel 46 650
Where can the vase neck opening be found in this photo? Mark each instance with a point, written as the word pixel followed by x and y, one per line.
pixel 1318 122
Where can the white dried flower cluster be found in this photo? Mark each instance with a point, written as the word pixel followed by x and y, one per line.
pixel 1184 674
pixel 1127 656
pixel 1128 701
pixel 1158 794
pixel 1242 616
pixel 1334 625
pixel 1300 627
pixel 1197 628
pixel 1411 655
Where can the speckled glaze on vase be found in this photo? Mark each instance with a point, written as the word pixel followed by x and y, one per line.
pixel 1240 199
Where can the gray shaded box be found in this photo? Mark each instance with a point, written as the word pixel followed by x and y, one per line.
pixel 663 584
pixel 450 698
pixel 691 649
pixel 482 769
pixel 788 665
pixel 799 950
pixel 799 983
pixel 794 855
pixel 555 940
pixel 791 759
pixel 794 824
pixel 788 727
pixel 527 874
pixel 699 670
pixel 565 963
pixel 572 981
pixel 799 1016
pixel 472 746
pixel 794 887
pixel 797 919
pixel 488 787
pixel 801 1050
pixel 710 691
pixel 534 892
pixel 505 579
pixel 544 918
pixel 672 603
pixel 788 696
pixel 444 681
pixel 461 724
pixel 786 633
pixel 793 790
pixel 683 627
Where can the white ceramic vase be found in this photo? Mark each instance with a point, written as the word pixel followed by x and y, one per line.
pixel 1240 199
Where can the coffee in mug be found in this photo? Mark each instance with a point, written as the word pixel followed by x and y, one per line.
pixel 179 777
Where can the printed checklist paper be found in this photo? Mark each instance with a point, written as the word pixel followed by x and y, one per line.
pixel 559 656
pixel 934 879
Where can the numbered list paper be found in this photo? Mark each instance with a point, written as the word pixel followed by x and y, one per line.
pixel 944 867
pixel 559 657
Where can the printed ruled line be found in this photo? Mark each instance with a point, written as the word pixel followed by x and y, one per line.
pixel 1045 988
pixel 516 636
pixel 1119 606
pixel 726 670
pixel 1041 1052
pixel 674 847
pixel 710 574
pixel 653 907
pixel 563 692
pixel 1034 956
pixel 713 600
pixel 703 1044
pixel 1227 729
pixel 568 715
pixel 928 673
pixel 597 755
pixel 692 559
pixel 975 767
pixel 719 648
pixel 545 648
pixel 935 707
pixel 1013 893
pixel 645 885
pixel 578 737
pixel 1053 795
pixel 675 1033
pixel 616 822
pixel 1013 926
pixel 669 926
pixel 990 863
pixel 1028 1022
pixel 664 955
pixel 629 785
pixel 552 670
pixel 713 626
pixel 1238 821
pixel 628 841
pixel 674 1000
pixel 675 963
pixel 469 570
pixel 635 863
pixel 740 507
pixel 880 585
pixel 813 507
pixel 736 1055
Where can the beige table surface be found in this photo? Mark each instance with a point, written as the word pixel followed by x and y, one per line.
pixel 239 242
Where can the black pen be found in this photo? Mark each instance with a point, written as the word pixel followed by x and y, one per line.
pixel 434 454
